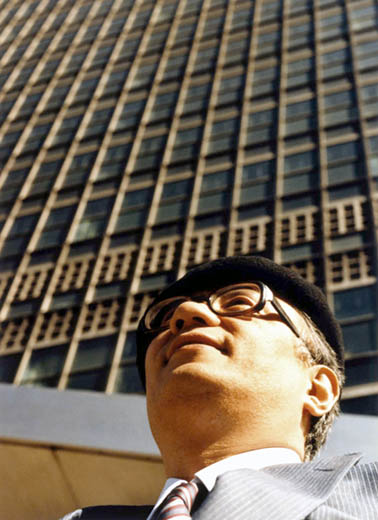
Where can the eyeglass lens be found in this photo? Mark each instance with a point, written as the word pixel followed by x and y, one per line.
pixel 233 300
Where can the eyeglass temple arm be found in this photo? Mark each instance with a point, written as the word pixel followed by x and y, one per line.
pixel 280 310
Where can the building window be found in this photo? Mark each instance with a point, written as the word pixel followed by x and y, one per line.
pixel 98 124
pixel 79 169
pixel 301 35
pixel 101 57
pixel 128 380
pixel 114 162
pixel 28 106
pixel 45 178
pixel 196 100
pixel 230 91
pixel 354 302
pixel 206 60
pixel 163 107
pixel 373 159
pixel 361 405
pixel 340 112
pixel 75 63
pixel 265 84
pixel 66 131
pixel 8 367
pixel 85 91
pixel 174 201
pixel 367 58
pixel 94 219
pixel 187 145
pixel 333 27
pixel 300 76
pixel 19 235
pixel 216 189
pixel 48 70
pixel 336 65
pixel 257 182
pixel 56 226
pixel 129 49
pixel 345 153
pixel 134 210
pixel 364 18
pixel 300 122
pixel 360 337
pixel 57 97
pixel 144 76
pixel 261 130
pixel 129 116
pixel 174 68
pixel 150 153
pixel 45 366
pixel 223 136
pixel 369 97
pixel 91 364
pixel 184 33
pixel 36 138
pixel 156 42
pixel 361 370
pixel 212 27
pixel 237 51
pixel 268 43
pixel 114 84
pixel 241 19
pixel 12 186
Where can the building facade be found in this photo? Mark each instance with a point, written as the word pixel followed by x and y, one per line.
pixel 141 138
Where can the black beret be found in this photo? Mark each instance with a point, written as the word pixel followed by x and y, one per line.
pixel 285 283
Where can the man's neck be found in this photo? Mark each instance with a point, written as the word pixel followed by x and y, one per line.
pixel 183 463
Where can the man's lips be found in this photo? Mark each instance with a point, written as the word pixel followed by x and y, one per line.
pixel 191 339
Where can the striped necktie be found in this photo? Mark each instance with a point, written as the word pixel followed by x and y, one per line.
pixel 179 502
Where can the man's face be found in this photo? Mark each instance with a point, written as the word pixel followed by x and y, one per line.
pixel 248 362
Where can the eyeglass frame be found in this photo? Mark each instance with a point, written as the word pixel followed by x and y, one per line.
pixel 266 295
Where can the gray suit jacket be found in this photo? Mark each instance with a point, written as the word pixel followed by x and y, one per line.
pixel 334 489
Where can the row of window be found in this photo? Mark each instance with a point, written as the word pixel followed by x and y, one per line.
pixel 355 309
pixel 89 371
pixel 268 42
pixel 345 162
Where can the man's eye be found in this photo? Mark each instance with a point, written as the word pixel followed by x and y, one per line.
pixel 237 302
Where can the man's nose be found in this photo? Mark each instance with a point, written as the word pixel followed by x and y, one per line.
pixel 190 314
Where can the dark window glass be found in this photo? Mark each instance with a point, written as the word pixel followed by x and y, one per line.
pixel 360 337
pixel 361 405
pixel 94 219
pixel 174 201
pixel 361 371
pixel 79 169
pixel 8 367
pixel 300 161
pixel 128 380
pixel 354 302
pixel 45 366
pixel 134 209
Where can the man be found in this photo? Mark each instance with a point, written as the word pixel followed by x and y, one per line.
pixel 242 361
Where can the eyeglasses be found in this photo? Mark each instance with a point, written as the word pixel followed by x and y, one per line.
pixel 234 300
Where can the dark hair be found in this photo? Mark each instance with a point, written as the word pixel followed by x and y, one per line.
pixel 313 350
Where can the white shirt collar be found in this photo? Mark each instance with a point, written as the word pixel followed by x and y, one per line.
pixel 255 459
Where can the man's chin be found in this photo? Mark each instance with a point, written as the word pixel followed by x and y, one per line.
pixel 194 377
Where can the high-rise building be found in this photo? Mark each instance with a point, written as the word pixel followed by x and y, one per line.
pixel 140 138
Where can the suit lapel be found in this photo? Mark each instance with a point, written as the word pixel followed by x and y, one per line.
pixel 277 492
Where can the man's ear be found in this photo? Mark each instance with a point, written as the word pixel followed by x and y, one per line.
pixel 323 392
